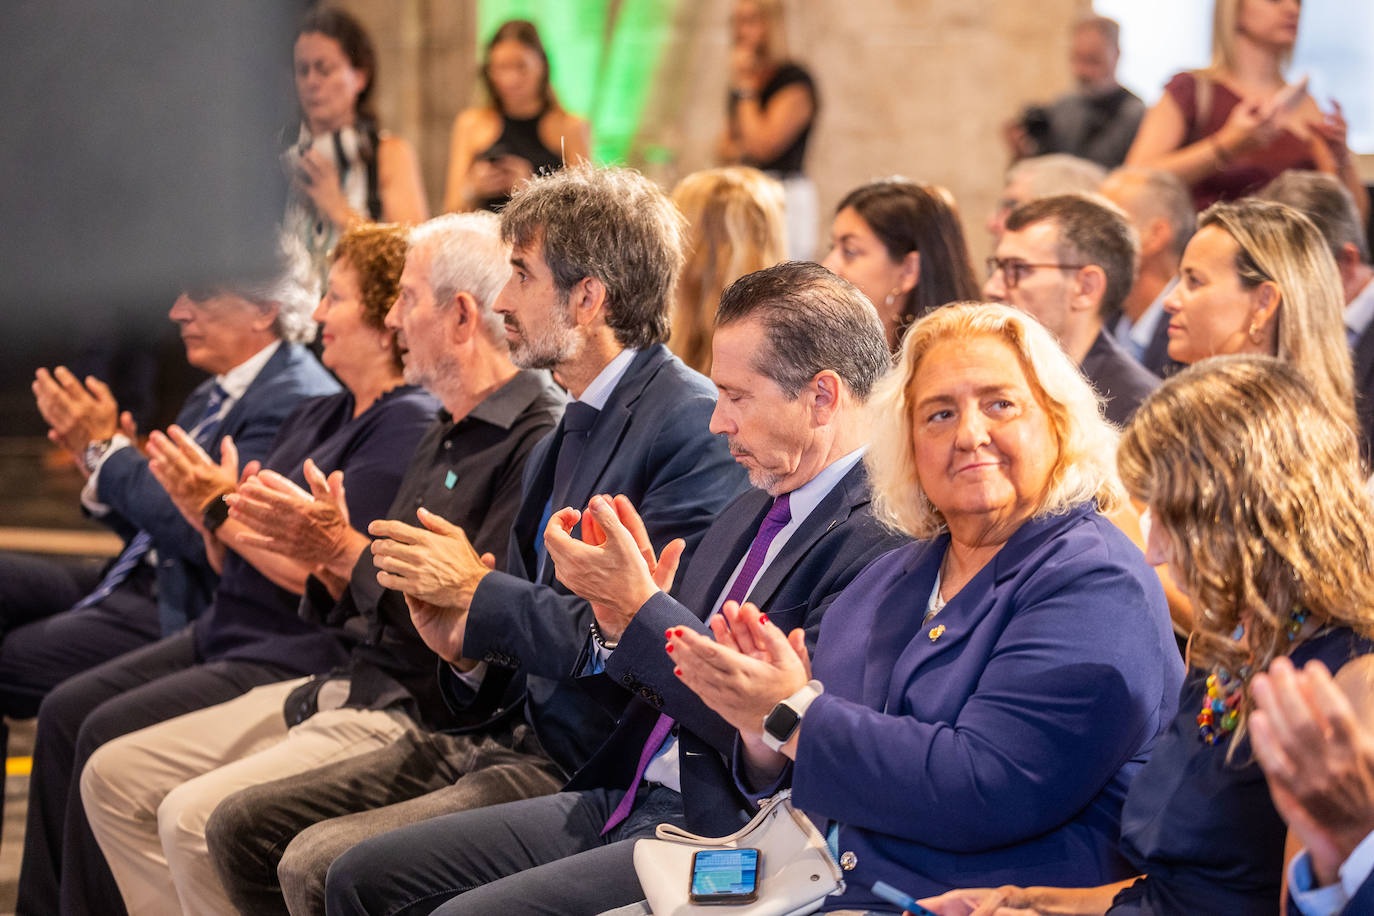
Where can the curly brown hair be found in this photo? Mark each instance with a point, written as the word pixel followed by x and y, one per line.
pixel 1257 483
pixel 377 251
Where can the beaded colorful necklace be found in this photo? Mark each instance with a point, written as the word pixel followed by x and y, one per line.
pixel 1221 706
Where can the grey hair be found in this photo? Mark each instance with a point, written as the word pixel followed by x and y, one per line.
pixel 813 320
pixel 612 224
pixel 1085 467
pixel 1163 195
pixel 466 254
pixel 1057 173
pixel 291 285
pixel 1327 203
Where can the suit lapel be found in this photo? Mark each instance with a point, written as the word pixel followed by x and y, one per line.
pixel 848 494
pixel 605 436
pixel 895 622
pixel 538 485
pixel 274 365
pixel 726 553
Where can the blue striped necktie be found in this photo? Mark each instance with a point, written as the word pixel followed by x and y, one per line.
pixel 138 548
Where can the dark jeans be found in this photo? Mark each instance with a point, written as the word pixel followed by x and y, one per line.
pixel 542 856
pixel 63 870
pixel 45 642
pixel 280 838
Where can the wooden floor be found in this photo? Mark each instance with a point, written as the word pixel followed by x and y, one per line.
pixel 16 806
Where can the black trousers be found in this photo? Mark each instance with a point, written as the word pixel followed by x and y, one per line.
pixel 63 870
pixel 43 641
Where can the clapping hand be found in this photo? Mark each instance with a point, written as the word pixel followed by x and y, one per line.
pixel 189 475
pixel 437 569
pixel 311 528
pixel 613 566
pixel 1319 759
pixel 78 413
pixel 748 669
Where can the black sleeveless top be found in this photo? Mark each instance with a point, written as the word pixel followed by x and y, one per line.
pixel 520 137
pixel 1204 832
pixel 789 161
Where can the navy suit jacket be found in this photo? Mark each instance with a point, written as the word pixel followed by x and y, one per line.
pixel 836 540
pixel 994 744
pixel 1156 356
pixel 651 442
pixel 1364 390
pixel 1362 902
pixel 185 581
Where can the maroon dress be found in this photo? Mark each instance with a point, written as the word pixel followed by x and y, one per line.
pixel 1248 172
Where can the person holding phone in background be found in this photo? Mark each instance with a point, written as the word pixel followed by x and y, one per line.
pixel 1229 129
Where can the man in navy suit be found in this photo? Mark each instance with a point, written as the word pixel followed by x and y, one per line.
pixel 248 336
pixel 1329 205
pixel 795 353
pixel 1160 208
pixel 1068 261
pixel 595 256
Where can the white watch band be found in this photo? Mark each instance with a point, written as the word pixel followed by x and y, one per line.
pixel 798 702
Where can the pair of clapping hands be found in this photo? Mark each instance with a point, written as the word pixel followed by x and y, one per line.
pixel 748 668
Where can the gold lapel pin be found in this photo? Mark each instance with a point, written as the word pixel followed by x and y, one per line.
pixel 936 632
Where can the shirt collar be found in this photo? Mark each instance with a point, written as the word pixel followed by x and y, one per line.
pixel 808 496
pixel 236 381
pixel 1143 330
pixel 599 391
pixel 1360 312
pixel 505 405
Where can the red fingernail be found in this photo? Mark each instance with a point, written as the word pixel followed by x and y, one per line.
pixel 668 633
pixel 679 631
pixel 763 618
pixel 677 671
pixel 670 647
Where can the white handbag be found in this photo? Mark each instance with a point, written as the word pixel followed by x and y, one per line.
pixel 796 869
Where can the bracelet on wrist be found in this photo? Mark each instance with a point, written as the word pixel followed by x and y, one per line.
pixel 600 638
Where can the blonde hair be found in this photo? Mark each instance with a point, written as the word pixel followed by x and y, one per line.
pixel 1225 25
pixel 1264 503
pixel 1279 245
pixel 735 227
pixel 1083 469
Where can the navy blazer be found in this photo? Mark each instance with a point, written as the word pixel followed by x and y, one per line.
pixel 831 546
pixel 994 744
pixel 1363 355
pixel 185 581
pixel 651 442
pixel 1363 901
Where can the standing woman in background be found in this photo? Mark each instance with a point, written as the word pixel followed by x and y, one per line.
pixel 521 132
pixel 902 245
pixel 772 107
pixel 344 169
pixel 735 226
pixel 1231 128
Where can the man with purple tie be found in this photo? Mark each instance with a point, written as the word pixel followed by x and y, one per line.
pixel 795 353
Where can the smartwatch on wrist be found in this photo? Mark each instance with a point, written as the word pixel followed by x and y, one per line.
pixel 782 723
pixel 215 513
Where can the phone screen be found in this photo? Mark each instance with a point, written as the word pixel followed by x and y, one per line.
pixel 724 875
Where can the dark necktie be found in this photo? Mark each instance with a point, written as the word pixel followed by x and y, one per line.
pixel 578 420
pixel 777 519
pixel 134 552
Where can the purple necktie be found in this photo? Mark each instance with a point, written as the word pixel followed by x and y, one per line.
pixel 776 520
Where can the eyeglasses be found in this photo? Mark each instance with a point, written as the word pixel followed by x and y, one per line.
pixel 1015 270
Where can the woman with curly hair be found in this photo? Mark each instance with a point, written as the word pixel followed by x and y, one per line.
pixel 1262 516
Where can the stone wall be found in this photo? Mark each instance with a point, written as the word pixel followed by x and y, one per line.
pixel 917 87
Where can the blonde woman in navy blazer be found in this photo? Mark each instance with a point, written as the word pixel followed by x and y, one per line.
pixel 989 691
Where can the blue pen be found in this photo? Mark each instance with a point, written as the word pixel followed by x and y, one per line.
pixel 905 901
